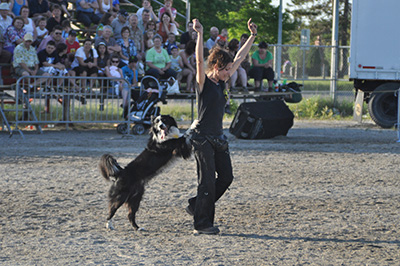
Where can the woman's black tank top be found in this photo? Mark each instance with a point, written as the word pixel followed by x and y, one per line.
pixel 211 108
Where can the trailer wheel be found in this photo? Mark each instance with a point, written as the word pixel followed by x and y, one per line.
pixel 382 105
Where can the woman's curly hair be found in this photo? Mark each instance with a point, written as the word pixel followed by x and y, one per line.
pixel 218 57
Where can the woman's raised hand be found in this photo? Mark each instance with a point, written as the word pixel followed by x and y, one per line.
pixel 252 27
pixel 197 26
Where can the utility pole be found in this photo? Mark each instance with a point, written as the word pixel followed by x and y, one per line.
pixel 278 64
pixel 187 12
pixel 335 48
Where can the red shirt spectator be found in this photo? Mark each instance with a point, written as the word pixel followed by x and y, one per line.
pixel 71 42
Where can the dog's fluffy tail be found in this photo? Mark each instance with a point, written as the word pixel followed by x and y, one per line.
pixel 109 166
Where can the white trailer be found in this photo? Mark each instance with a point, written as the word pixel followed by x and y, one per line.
pixel 375 56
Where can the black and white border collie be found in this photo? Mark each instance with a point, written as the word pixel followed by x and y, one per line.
pixel 165 144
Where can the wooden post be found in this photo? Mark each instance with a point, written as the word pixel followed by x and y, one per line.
pixel 358 106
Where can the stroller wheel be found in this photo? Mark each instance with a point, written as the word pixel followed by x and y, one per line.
pixel 122 128
pixel 138 129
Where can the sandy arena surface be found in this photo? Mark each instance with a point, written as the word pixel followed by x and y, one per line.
pixel 327 194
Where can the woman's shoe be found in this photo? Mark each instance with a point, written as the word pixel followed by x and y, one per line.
pixel 207 231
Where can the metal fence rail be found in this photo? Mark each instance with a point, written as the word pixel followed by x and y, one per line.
pixel 56 101
pixel 310 65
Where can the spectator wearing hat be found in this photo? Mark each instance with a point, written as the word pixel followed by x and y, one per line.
pixel 111 43
pixel 72 44
pixel 56 18
pixel 262 66
pixel 5 19
pixel 26 61
pixel 115 5
pixel 55 36
pixel 86 13
pixel 119 22
pixel 14 34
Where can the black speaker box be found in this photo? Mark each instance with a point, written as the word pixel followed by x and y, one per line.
pixel 262 120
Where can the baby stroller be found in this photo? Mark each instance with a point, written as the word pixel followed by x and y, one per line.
pixel 144 105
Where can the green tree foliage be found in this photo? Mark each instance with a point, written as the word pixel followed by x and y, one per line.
pixel 233 15
pixel 264 15
pixel 210 12
pixel 317 16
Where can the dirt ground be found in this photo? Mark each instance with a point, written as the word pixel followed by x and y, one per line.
pixel 326 194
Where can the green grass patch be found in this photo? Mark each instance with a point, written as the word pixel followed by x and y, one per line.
pixel 309 108
pixel 312 108
pixel 324 85
pixel 179 110
pixel 323 108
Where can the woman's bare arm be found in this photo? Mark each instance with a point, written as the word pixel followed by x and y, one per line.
pixel 200 73
pixel 244 50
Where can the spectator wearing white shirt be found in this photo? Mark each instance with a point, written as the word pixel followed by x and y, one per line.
pixel 85 62
pixel 5 19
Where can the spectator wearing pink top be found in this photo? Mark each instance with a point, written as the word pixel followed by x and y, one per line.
pixel 170 10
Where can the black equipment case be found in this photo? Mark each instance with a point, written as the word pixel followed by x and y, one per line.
pixel 262 120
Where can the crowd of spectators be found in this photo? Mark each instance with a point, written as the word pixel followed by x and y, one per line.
pixel 36 37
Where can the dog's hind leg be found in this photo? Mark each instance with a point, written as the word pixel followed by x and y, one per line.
pixel 133 206
pixel 114 205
